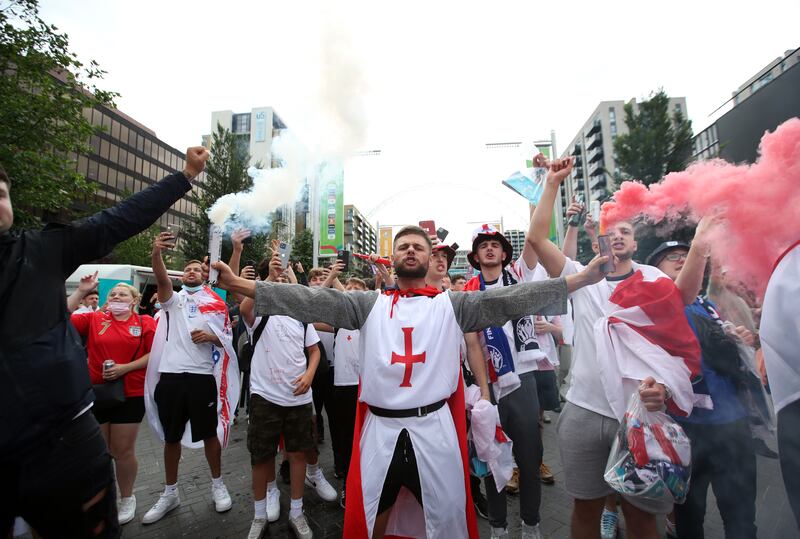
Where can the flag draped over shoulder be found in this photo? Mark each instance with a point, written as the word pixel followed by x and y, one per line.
pixel 780 328
pixel 226 368
pixel 645 333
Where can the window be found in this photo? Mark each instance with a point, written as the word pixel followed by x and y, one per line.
pixel 148 146
pixel 678 109
pixel 241 123
pixel 106 123
pixel 97 117
pixel 83 164
pixel 132 138
pixel 140 143
pixel 124 133
pixel 131 163
pixel 91 171
pixel 115 129
pixel 104 149
pixel 113 155
pixel 94 142
pixel 146 168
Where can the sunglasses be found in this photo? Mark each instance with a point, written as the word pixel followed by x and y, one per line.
pixel 674 257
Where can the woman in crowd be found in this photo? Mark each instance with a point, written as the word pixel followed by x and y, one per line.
pixel 119 334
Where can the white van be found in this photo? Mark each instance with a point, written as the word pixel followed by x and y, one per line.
pixel 140 277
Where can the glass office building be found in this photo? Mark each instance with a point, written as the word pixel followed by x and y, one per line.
pixel 126 157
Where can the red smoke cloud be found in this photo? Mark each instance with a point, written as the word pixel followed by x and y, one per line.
pixel 760 204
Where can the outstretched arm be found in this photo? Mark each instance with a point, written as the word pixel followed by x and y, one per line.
pixel 347 310
pixel 86 285
pixel 163 282
pixel 570 247
pixel 550 256
pixel 690 279
pixel 479 310
pixel 97 235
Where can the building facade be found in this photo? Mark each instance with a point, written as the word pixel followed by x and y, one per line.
pixel 127 157
pixel 254 131
pixel 359 237
pixel 593 148
pixel 517 239
pixel 762 103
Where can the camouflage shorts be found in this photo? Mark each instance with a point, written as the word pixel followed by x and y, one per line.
pixel 268 421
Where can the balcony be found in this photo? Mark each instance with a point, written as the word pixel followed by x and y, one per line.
pixel 597 182
pixel 577 173
pixel 596 155
pixel 577 150
pixel 578 162
pixel 594 142
pixel 595 168
pixel 595 128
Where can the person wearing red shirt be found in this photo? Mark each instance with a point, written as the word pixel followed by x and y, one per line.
pixel 120 334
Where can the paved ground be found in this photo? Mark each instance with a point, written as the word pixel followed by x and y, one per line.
pixel 196 516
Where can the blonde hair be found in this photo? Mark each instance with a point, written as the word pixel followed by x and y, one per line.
pixel 137 296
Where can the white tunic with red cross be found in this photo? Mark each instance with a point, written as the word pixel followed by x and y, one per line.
pixel 410 357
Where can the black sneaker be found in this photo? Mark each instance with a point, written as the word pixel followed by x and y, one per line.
pixel 481 507
pixel 341 496
pixel 284 472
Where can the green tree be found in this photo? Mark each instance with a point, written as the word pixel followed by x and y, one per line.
pixel 303 248
pixel 226 172
pixel 136 250
pixel 656 144
pixel 44 89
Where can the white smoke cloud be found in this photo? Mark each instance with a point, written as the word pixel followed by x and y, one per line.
pixel 328 125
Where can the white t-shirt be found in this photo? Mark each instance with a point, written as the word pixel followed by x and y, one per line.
pixel 180 353
pixel 279 359
pixel 525 361
pixel 589 304
pixel 346 357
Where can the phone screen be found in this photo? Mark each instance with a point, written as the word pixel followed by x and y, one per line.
pixel 441 233
pixel 429 227
pixel 284 250
pixel 175 231
pixel 604 244
pixel 344 256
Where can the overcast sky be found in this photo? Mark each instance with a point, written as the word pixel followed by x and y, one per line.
pixel 437 79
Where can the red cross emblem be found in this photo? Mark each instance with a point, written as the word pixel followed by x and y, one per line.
pixel 409 358
pixel 349 337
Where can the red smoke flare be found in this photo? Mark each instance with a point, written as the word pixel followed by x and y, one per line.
pixel 760 204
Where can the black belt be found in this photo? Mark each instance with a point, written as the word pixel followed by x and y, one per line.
pixel 420 411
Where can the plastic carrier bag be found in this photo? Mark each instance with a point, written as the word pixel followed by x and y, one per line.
pixel 650 457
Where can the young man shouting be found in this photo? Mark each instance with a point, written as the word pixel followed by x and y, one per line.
pixel 413 480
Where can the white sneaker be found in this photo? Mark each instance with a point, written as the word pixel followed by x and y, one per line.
pixel 499 533
pixel 126 510
pixel 273 505
pixel 222 500
pixel 257 528
pixel 323 488
pixel 531 532
pixel 299 526
pixel 165 504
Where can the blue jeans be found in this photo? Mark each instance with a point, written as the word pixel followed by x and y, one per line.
pixel 723 457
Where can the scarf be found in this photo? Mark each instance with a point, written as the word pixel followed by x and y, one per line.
pixel 499 356
pixel 396 293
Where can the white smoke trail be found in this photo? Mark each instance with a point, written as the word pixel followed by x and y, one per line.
pixel 331 128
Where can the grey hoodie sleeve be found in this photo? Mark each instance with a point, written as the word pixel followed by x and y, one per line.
pixel 347 310
pixel 491 308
